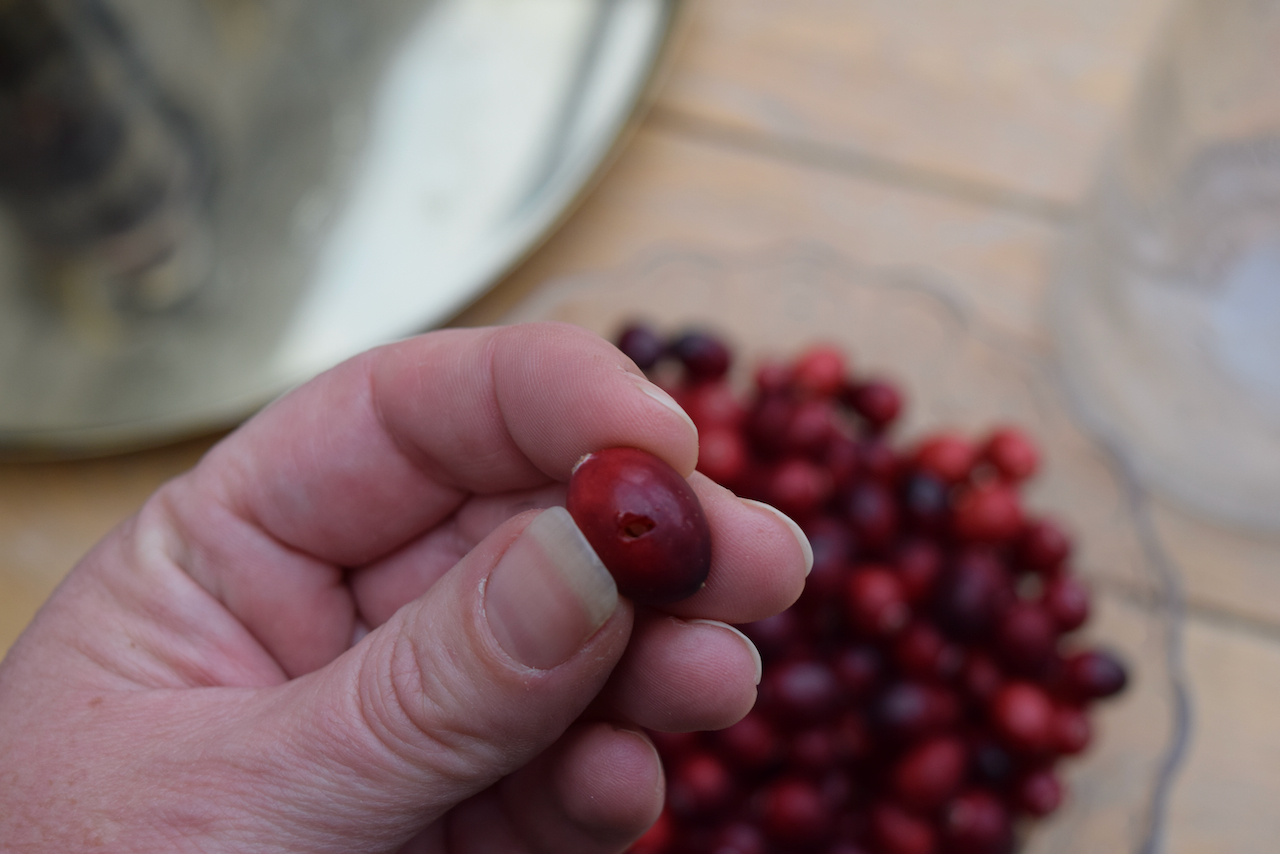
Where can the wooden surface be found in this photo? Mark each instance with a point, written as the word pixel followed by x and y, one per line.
pixel 952 137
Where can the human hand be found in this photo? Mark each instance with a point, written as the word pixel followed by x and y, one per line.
pixel 354 626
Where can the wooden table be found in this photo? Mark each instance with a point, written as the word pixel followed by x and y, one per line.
pixel 949 135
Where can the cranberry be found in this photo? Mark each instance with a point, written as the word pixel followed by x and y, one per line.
pixel 1095 674
pixel 979 676
pixel 972 594
pixel 896 831
pixel 946 456
pixel 767 423
pixel 644 521
pixel 674 743
pixel 977 823
pixel 800 691
pixel 880 462
pixel 642 345
pixel 843 459
pixel 819 371
pixel 1025 637
pixel 1043 546
pixel 1023 716
pixel 1071 730
pixel 987 513
pixel 773 378
pixel 1012 454
pixel 858 668
pixel 811 428
pixel 793 812
pixel 919 565
pixel 737 838
pixel 872 513
pixel 992 763
pixel 1066 598
pixel 750 744
pixel 832 545
pixel 923 653
pixel 713 404
pixel 851 736
pixel 658 839
pixel 926 501
pixel 876 602
pixel 704 356
pixel 699 785
pixel 910 710
pixel 812 750
pixel 929 774
pixel 723 455
pixel 878 402
pixel 776 636
pixel 1038 792
pixel 798 487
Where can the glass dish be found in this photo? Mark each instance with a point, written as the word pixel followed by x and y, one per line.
pixel 956 372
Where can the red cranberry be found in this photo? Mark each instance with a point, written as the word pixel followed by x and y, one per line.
pixel 929 774
pixel 911 710
pixel 776 636
pixel 923 653
pixel 843 459
pixel 1043 546
pixel 1023 716
pixel 852 740
pixel 674 743
pixel 644 521
pixel 896 831
pixel 767 423
pixel 872 513
pixel 751 744
pixel 858 668
pixel 798 487
pixel 926 502
pixel 800 691
pixel 919 565
pixel 876 602
pixel 977 823
pixel 811 428
pixel 1025 637
pixel 699 785
pixel 713 404
pixel 947 456
pixel 793 813
pixel 642 345
pixel 1071 730
pixel 878 402
pixel 723 455
pixel 1066 598
pixel 992 763
pixel 987 513
pixel 819 371
pixel 972 594
pixel 704 356
pixel 737 838
pixel 1094 674
pixel 879 461
pixel 979 676
pixel 773 377
pixel 812 750
pixel 658 839
pixel 1012 454
pixel 1038 792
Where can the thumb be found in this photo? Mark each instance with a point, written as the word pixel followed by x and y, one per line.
pixel 460 688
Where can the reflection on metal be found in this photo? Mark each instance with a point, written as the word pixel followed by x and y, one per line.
pixel 205 202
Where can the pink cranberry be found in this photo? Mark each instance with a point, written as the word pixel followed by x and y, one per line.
pixel 930 773
pixel 1038 792
pixel 819 371
pixel 1043 546
pixel 977 823
pixel 878 402
pixel 1094 675
pixel 1023 716
pixel 987 513
pixel 947 456
pixel 793 813
pixel 704 356
pixel 1012 454
pixel 644 521
pixel 1066 598
pixel 876 603
pixel 896 831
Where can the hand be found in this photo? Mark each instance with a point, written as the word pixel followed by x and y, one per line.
pixel 355 626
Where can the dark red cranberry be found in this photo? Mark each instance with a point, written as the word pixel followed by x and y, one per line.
pixel 1025 637
pixel 909 710
pixel 767 423
pixel 819 371
pixel 793 813
pixel 852 741
pixel 642 345
pixel 926 502
pixel 713 404
pixel 812 750
pixel 929 774
pixel 804 690
pixel 658 839
pixel 979 676
pixel 671 744
pixel 987 513
pixel 972 594
pixel 1023 716
pixel 878 402
pixel 919 566
pixel 1038 792
pixel 1066 598
pixel 798 487
pixel 947 456
pixel 699 785
pixel 876 603
pixel 644 521
pixel 976 822
pixel 1012 453
pixel 1043 546
pixel 833 549
pixel 992 763
pixel 858 669
pixel 751 744
pixel 738 837
pixel 704 356
pixel 921 652
pixel 879 460
pixel 896 831
pixel 843 459
pixel 723 455
pixel 872 513
pixel 1094 674
pixel 1071 730
pixel 776 636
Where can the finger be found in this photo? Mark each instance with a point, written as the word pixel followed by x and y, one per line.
pixel 682 676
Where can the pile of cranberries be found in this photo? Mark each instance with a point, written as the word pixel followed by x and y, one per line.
pixel 920 694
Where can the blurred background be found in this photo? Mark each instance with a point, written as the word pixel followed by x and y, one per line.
pixel 277 185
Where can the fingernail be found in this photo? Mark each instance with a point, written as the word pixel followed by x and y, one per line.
pixel 549 593
pixel 746 641
pixel 665 399
pixel 791 524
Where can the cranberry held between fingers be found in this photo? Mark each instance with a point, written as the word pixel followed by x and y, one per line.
pixel 644 521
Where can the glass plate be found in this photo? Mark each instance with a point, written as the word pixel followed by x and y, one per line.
pixel 956 372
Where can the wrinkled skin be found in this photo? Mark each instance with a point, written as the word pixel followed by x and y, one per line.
pixel 294 647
